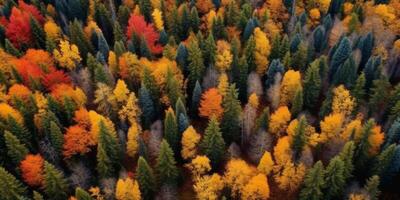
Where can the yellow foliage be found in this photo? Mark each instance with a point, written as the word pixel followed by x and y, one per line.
pixel 262 50
pixel 354 127
pixel 324 5
pixel 224 56
pixel 208 187
pixel 266 163
pixel 223 84
pixel 282 153
pixel 68 55
pixel 279 120
pixel 52 30
pixel 375 140
pixel 127 189
pixel 211 16
pixel 315 15
pixel 129 67
pixel 6 110
pixel 132 144
pixel 342 102
pixel 90 28
pixel 95 120
pixel 157 18
pixel 253 100
pixel 358 197
pixel 121 91
pixel 199 166
pixel 130 111
pixel 347 8
pixel 113 62
pixel 156 4
pixel 256 188
pixel 291 176
pixel 331 127
pixel 190 139
pixel 236 175
pixel 386 12
pixel 6 63
pixel 291 83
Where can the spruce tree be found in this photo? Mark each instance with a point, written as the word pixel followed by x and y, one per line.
pixel 372 187
pixel 185 22
pixel 38 33
pixel 242 79
pixel 334 178
pixel 10 187
pixel 210 50
pixel 167 171
pixel 171 133
pixel 249 53
pixel 383 160
pixel 108 152
pixel 297 104
pixel 15 149
pixel 103 45
pixel 181 57
pixel 313 183
pixel 212 145
pixel 19 131
pixel 173 88
pixel 372 71
pixel 145 178
pixel 361 153
pixel 379 95
pixel 230 123
pixel 81 194
pixel 56 138
pixel 346 155
pixel 218 29
pixel 144 49
pixel 248 30
pixel 358 91
pixel 312 86
pixel 346 73
pixel 366 45
pixel 55 185
pixel 393 134
pixel 340 55
pixel 146 106
pixel 196 64
pixel 299 138
pixel 180 107
pixel 194 19
pixel 78 38
pixel 118 33
pixel 9 47
pixel 104 21
pixel 274 68
pixel 196 96
pixel 319 39
pixel 146 9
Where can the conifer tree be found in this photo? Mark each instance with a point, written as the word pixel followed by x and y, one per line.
pixel 103 45
pixel 56 138
pixel 146 106
pixel 181 57
pixel 379 95
pixel 171 133
pixel 274 68
pixel 210 50
pixel 319 39
pixel 145 178
pixel 15 149
pixel 383 160
pixel 185 22
pixel 249 53
pixel 10 187
pixel 196 96
pixel 146 9
pixel 358 91
pixel 334 178
pixel 346 155
pixel 313 183
pixel 38 196
pixel 167 171
pixel 38 33
pixel 108 152
pixel 340 55
pixel 81 194
pixel 194 19
pixel 312 85
pixel 297 104
pixel 346 73
pixel 230 123
pixel 299 137
pixel 361 154
pixel 55 185
pixel 19 131
pixel 173 88
pixel 218 28
pixel 9 47
pixel 78 38
pixel 212 144
pixel 196 64
pixel 242 79
pixel 372 187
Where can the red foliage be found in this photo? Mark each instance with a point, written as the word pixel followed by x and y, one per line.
pixel 54 77
pixel 28 71
pixel 18 29
pixel 138 25
pixel 32 169
pixel 31 10
pixel 77 140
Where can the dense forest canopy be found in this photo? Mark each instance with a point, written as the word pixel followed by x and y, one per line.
pixel 199 99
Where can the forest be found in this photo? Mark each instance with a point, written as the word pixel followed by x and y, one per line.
pixel 199 99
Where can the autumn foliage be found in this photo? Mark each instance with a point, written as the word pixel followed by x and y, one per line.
pixel 32 170
pixel 138 26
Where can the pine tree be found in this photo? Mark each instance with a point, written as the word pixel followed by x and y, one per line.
pixel 38 33
pixel 38 196
pixel 144 48
pixel 346 73
pixel 334 178
pixel 108 152
pixel 196 96
pixel 297 104
pixel 358 91
pixel 10 187
pixel 242 79
pixel 210 50
pixel 218 29
pixel 173 88
pixel 379 95
pixel 230 123
pixel 15 149
pixel 181 57
pixel 319 39
pixel 383 160
pixel 9 47
pixel 185 22
pixel 103 45
pixel 248 30
pixel 340 55
pixel 313 183
pixel 55 185
pixel 145 178
pixel 372 187
pixel 146 9
pixel 166 165
pixel 56 138
pixel 171 133
pixel 346 155
pixel 366 45
pixel 274 68
pixel 249 53
pixel 299 138
pixel 372 71
pixel 196 64
pixel 118 32
pixel 194 19
pixel 393 134
pixel 104 20
pixel 212 144
pixel 19 131
pixel 81 194
pixel 146 106
pixel 312 86
pixel 361 154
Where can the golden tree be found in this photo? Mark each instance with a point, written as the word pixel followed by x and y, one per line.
pixel 262 50
pixel 199 166
pixel 157 18
pixel 127 189
pixel 208 187
pixel 236 176
pixel 224 56
pixel 291 83
pixel 266 163
pixel 279 120
pixel 132 143
pixel 342 101
pixel 190 139
pixel 68 55
pixel 121 91
pixel 332 126
pixel 256 188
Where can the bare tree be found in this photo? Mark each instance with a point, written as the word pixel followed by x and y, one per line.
pixel 156 135
pixel 211 78
pixel 80 176
pixel 274 92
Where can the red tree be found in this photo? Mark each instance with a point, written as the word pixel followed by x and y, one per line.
pixel 32 169
pixel 54 77
pixel 138 25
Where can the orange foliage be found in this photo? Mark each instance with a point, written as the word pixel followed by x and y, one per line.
pixel 138 25
pixel 32 169
pixel 375 140
pixel 82 118
pixel 19 91
pixel 60 91
pixel 39 57
pixel 210 104
pixel 77 140
pixel 28 70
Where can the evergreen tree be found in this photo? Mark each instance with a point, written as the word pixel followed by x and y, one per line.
pixel 185 22
pixel 171 133
pixel 103 45
pixel 393 134
pixel 55 185
pixel 361 153
pixel 19 131
pixel 346 73
pixel 210 50
pixel 183 123
pixel 242 79
pixel 334 178
pixel 146 9
pixel 100 74
pixel 232 14
pixel 366 44
pixel 196 96
pixel 173 88
pixel 358 91
pixel 145 178
pixel 194 19
pixel 56 138
pixel 248 30
pixel 299 138
pixel 299 59
pixel 346 155
pixel 118 32
pixel 383 160
pixel 180 107
pixel 230 123
pixel 10 187
pixel 249 53
pixel 9 47
pixel 372 187
pixel 166 165
pixel 379 95
pixel 274 68
pixel 340 55
pixel 38 196
pixel 78 38
pixel 319 39
pixel 212 144
pixel 149 82
pixel 372 71
pixel 181 57
pixel 146 106
pixel 312 86
pixel 108 152
pixel 104 21
pixel 119 48
pixel 313 183
pixel 15 149
pixel 218 29
pixel 163 39
pixel 81 194
pixel 196 64
pixel 297 104
pixel 38 33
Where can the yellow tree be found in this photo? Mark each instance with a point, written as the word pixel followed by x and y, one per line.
pixel 68 55
pixel 199 166
pixel 262 50
pixel 266 163
pixel 375 140
pixel 52 30
pixel 256 188
pixel 291 176
pixel 121 91
pixel 342 101
pixel 332 126
pixel 157 18
pixel 113 62
pixel 279 120
pixel 282 153
pixel 210 104
pixel 190 139
pixel 253 100
pixel 132 144
pixel 127 189
pixel 291 83
pixel 223 84
pixel 224 56
pixel 236 176
pixel 352 129
pixel 130 111
pixel 208 187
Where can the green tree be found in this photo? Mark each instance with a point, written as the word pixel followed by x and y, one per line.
pixel 56 138
pixel 249 53
pixel 146 9
pixel 313 183
pixel 346 155
pixel 299 137
pixel 15 149
pixel 196 96
pixel 38 33
pixel 146 106
pixel 361 153
pixel 312 85
pixel 19 131
pixel 358 91
pixel 210 50
pixel 334 178
pixel 346 73
pixel 10 187
pixel 145 178
pixel 9 47
pixel 230 123
pixel 171 133
pixel 194 19
pixel 196 64
pixel 81 194
pixel 166 165
pixel 212 144
pixel 55 185
pixel 78 38
pixel 340 55
pixel 297 104
pixel 372 187
pixel 108 152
